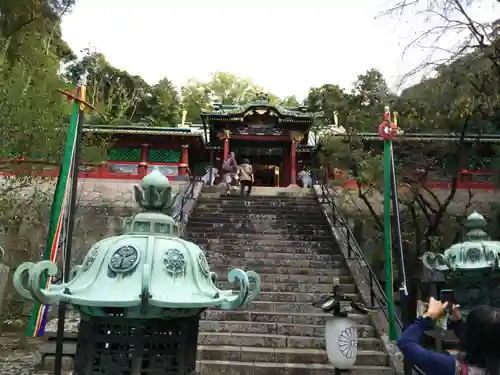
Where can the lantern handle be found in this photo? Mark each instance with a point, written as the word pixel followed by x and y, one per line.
pixel 333 303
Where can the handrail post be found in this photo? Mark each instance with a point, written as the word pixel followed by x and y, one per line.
pixel 372 294
pixel 349 248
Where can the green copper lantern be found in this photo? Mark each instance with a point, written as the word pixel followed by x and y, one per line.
pixel 149 272
pixel 470 267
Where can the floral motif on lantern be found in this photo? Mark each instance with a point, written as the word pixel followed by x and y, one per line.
pixel 174 261
pixel 348 342
pixel 94 252
pixel 202 262
pixel 124 259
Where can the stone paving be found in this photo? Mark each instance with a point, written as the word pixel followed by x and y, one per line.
pixel 14 360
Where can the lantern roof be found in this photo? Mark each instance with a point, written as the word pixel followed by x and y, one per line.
pixel 149 272
pixel 476 252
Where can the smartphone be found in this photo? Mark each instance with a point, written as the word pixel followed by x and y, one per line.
pixel 446 295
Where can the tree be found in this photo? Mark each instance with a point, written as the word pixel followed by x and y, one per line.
pixel 195 96
pixel 228 88
pixel 224 88
pixel 441 19
pixel 115 94
pixel 461 97
pixel 163 104
pixel 328 98
pixel 31 109
pixel 32 118
pixel 22 19
pixel 289 101
pixel 370 89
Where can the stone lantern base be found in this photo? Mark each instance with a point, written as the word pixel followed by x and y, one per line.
pixel 120 346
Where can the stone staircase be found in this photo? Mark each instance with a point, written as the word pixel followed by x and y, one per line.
pixel 288 242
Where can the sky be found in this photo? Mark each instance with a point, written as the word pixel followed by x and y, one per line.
pixel 285 46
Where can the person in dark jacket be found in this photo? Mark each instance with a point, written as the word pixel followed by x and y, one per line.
pixel 479 342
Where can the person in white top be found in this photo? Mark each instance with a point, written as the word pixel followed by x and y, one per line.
pixel 245 172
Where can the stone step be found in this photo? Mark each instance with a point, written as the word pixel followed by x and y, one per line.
pixel 263 208
pixel 263 242
pixel 275 224
pixel 275 328
pixel 274 317
pixel 261 236
pixel 272 341
pixel 256 198
pixel 283 356
pixel 268 262
pixel 268 213
pixel 254 218
pixel 251 228
pixel 287 278
pixel 238 251
pixel 259 198
pixel 282 307
pixel 297 297
pixel 245 255
pixel 222 270
pixel 262 249
pixel 295 287
pixel 234 201
pixel 208 367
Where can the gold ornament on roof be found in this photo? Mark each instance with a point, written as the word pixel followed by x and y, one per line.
pixel 297 138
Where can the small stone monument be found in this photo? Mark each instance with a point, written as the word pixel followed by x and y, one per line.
pixel 140 295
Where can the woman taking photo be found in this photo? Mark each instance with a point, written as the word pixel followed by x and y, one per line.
pixel 479 342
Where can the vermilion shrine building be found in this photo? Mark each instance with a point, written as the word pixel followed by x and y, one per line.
pixel 278 141
pixel 273 138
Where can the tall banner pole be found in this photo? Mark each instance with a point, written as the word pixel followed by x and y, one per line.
pixel 387 130
pixel 59 213
pixel 75 164
pixel 403 283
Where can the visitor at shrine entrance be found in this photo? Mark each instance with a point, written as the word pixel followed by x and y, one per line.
pixel 267 162
pixel 267 175
pixel 275 139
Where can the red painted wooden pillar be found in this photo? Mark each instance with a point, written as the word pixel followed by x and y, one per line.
pixel 293 164
pixel 226 148
pixel 143 166
pixel 184 160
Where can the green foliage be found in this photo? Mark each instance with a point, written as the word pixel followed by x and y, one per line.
pixel 163 104
pixel 195 97
pixel 289 102
pixel 359 109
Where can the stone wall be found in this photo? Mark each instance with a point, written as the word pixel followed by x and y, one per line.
pixel 481 200
pixel 102 208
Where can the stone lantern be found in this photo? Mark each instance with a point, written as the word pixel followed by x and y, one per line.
pixel 140 295
pixel 471 268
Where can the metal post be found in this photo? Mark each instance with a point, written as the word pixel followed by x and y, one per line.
pixel 403 283
pixel 210 173
pixel 387 233
pixel 348 241
pixel 372 293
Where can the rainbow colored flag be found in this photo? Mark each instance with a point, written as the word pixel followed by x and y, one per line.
pixel 59 214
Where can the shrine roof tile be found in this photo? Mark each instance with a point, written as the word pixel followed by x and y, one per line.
pixel 146 130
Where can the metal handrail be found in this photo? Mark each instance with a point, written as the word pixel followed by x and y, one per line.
pixel 187 194
pixel 376 290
